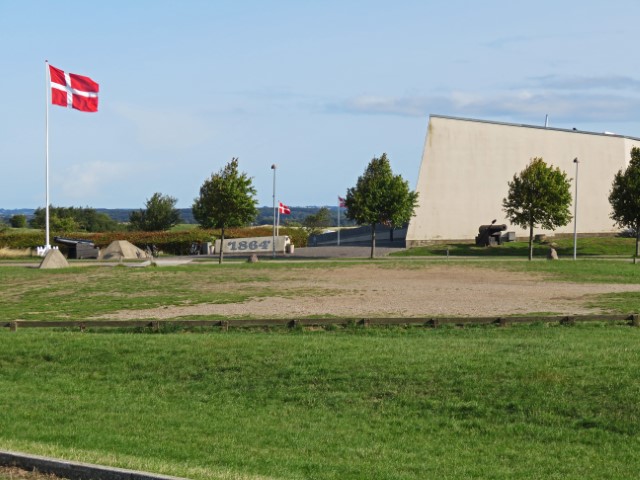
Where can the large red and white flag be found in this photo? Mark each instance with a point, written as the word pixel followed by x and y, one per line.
pixel 284 209
pixel 73 91
pixel 341 202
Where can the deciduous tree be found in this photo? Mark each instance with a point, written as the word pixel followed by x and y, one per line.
pixel 18 221
pixel 227 199
pixel 160 214
pixel 625 198
pixel 316 222
pixel 380 197
pixel 538 195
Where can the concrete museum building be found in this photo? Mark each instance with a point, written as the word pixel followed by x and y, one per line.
pixel 467 164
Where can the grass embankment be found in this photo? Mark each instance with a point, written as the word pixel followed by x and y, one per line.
pixel 587 246
pixel 521 402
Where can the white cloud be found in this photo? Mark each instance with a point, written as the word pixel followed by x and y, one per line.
pixel 86 180
pixel 601 82
pixel 160 129
pixel 564 104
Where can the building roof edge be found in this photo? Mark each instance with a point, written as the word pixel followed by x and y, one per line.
pixel 541 127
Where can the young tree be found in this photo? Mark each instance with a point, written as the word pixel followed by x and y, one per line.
pixel 18 221
pixel 159 215
pixel 538 195
pixel 315 222
pixel 226 200
pixel 380 197
pixel 625 198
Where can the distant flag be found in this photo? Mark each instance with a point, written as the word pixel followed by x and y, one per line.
pixel 341 202
pixel 73 91
pixel 284 209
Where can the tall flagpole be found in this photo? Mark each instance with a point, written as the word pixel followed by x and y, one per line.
pixel 47 245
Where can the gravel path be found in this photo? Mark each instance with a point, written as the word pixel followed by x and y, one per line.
pixel 373 290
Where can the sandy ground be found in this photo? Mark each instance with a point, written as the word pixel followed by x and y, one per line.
pixel 375 291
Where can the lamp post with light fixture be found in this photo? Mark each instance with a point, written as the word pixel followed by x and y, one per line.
pixel 274 167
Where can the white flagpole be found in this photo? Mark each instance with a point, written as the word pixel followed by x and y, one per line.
pixel 338 221
pixel 46 155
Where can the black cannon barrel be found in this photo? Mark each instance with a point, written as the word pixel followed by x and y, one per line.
pixel 493 228
pixel 78 248
pixel 72 241
pixel 489 235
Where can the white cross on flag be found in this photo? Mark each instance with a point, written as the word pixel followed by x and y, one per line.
pixel 73 91
pixel 284 209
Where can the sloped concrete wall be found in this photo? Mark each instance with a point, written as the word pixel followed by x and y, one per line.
pixel 467 164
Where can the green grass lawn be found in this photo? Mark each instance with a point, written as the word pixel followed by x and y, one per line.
pixel 528 401
pixel 497 403
pixel 587 246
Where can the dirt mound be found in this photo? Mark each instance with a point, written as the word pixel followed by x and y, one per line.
pixel 54 259
pixel 122 250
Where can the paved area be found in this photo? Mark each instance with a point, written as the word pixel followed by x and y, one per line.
pixel 342 252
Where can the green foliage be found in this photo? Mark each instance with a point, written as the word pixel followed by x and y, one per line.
pixel 587 246
pixel 538 195
pixel 316 222
pixel 625 197
pixel 172 242
pixel 72 219
pixel 160 214
pixel 227 199
pixel 298 235
pixel 18 221
pixel 380 197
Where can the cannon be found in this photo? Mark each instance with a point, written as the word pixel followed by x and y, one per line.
pixel 490 234
pixel 78 248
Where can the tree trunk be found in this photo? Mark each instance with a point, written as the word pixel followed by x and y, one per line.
pixel 221 245
pixel 635 257
pixel 373 240
pixel 531 242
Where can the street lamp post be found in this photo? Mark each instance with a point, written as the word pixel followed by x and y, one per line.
pixel 274 168
pixel 575 213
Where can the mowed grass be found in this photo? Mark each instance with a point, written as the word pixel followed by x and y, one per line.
pixel 586 247
pixel 498 403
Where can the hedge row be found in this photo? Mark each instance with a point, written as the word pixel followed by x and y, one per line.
pixel 173 243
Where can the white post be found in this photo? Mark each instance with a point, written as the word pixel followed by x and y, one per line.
pixel 47 245
pixel 274 167
pixel 575 213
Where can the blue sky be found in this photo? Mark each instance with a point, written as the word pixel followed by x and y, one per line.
pixel 318 88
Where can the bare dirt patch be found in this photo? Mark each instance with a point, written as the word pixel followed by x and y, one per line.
pixel 375 291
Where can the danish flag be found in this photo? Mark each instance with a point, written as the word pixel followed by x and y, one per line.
pixel 284 209
pixel 73 91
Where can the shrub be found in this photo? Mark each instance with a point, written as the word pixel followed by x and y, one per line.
pixel 172 242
